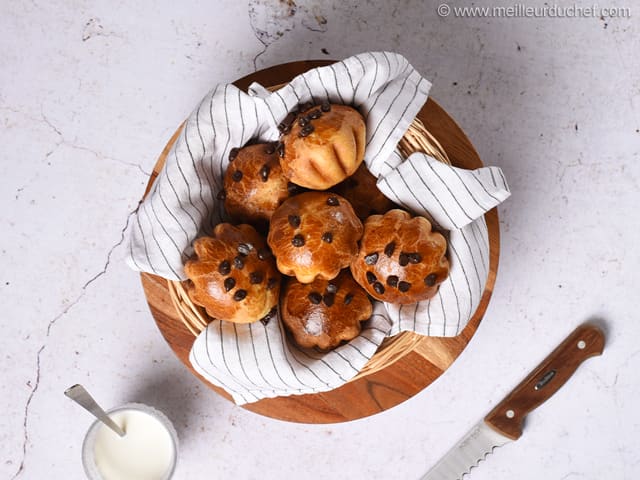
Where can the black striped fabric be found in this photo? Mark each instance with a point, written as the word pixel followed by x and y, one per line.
pixel 256 361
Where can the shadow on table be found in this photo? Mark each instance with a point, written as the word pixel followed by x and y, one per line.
pixel 177 396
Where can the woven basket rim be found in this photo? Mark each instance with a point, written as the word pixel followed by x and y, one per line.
pixel 416 139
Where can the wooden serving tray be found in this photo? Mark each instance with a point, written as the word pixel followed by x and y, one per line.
pixel 418 367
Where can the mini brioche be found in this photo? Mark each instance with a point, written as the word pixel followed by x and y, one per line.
pixel 234 275
pixel 401 260
pixel 324 313
pixel 314 234
pixel 254 185
pixel 323 146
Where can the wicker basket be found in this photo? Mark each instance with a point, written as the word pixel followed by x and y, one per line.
pixel 195 318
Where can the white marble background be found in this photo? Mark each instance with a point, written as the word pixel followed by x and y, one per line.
pixel 91 90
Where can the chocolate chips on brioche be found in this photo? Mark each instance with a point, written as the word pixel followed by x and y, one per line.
pixel 232 277
pixel 254 185
pixel 315 237
pixel 323 146
pixel 314 234
pixel 324 313
pixel 401 260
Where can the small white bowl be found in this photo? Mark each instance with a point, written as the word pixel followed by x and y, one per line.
pixel 88 447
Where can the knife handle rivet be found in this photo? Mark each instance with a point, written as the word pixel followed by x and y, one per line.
pixel 510 414
pixel 582 344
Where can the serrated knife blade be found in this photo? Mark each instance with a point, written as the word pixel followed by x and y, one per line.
pixel 504 423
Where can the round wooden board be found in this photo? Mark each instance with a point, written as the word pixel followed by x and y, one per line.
pixel 420 365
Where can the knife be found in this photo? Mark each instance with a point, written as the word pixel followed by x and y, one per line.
pixel 504 423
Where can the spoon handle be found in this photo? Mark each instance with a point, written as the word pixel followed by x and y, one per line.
pixel 78 394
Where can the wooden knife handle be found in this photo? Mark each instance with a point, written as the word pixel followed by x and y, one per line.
pixel 508 416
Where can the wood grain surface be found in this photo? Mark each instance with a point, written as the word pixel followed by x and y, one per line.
pixel 411 372
pixel 546 379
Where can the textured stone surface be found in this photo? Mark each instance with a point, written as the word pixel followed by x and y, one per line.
pixel 90 92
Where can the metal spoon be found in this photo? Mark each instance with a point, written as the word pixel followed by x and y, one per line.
pixel 78 394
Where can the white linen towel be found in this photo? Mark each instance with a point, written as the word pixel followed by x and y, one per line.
pixel 256 361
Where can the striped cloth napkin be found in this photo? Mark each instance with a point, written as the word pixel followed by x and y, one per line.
pixel 257 361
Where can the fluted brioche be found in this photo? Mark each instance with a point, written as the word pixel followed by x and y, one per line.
pixel 362 193
pixel 401 260
pixel 324 313
pixel 254 185
pixel 324 146
pixel 314 234
pixel 234 276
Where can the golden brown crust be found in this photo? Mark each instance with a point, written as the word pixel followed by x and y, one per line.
pixel 332 150
pixel 314 234
pixel 401 260
pixel 234 276
pixel 324 313
pixel 254 185
pixel 362 193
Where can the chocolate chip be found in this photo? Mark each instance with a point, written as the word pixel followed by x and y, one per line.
pixel 327 237
pixel 237 176
pixel 306 130
pixel 222 195
pixel 389 249
pixel 415 258
pixel 269 148
pixel 256 277
pixel 272 282
pixel 315 298
pixel 297 240
pixel 280 150
pixel 244 248
pixel 265 320
pixel 284 128
pixel 264 172
pixel 314 114
pixel 347 298
pixel 229 283
pixel 404 286
pixel 303 121
pixel 371 259
pixel 264 253
pixel 392 281
pixel 325 107
pixel 239 295
pixel 430 280
pixel 292 188
pixel 379 288
pixel 238 262
pixel 294 220
pixel 331 288
pixel 285 125
pixel 224 268
pixel 371 278
pixel 403 259
pixel 233 154
pixel 328 299
pixel 333 201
